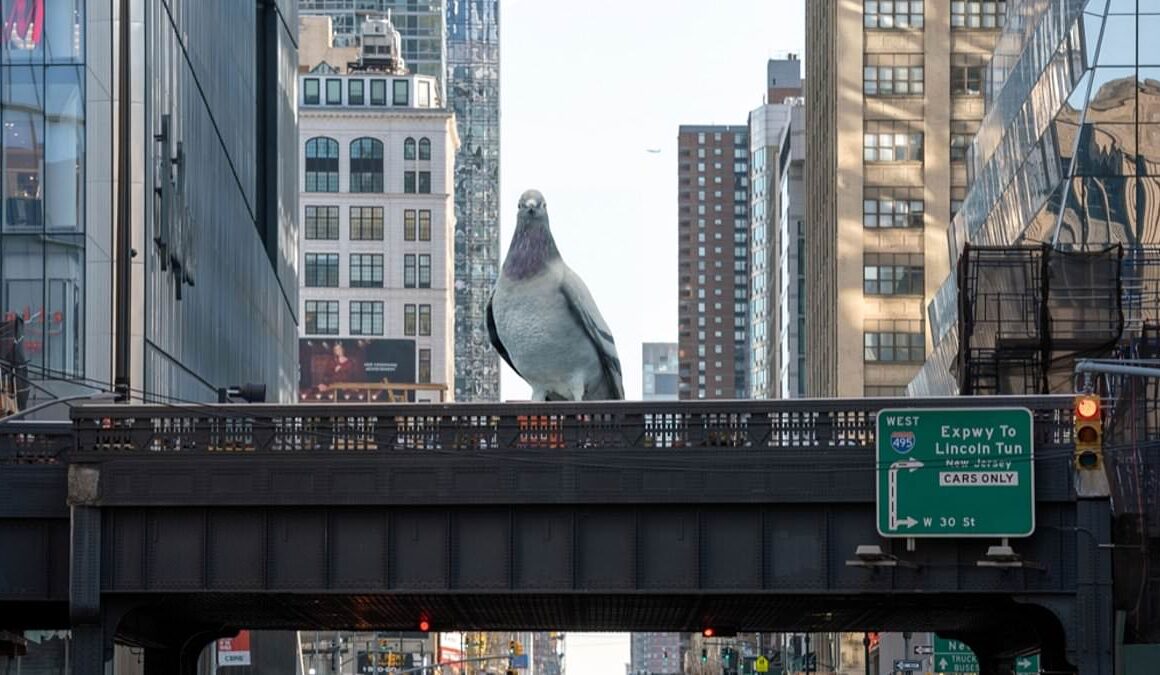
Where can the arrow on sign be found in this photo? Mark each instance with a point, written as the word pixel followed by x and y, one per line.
pixel 923 649
pixel 1023 663
pixel 907 522
pixel 942 664
pixel 911 465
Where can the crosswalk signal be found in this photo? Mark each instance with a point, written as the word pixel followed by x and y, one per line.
pixel 1089 434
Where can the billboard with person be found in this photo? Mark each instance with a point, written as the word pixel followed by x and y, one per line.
pixel 352 369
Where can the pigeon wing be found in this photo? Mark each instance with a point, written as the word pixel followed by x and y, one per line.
pixel 493 336
pixel 584 310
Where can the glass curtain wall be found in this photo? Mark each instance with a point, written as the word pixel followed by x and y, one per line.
pixel 1068 153
pixel 42 149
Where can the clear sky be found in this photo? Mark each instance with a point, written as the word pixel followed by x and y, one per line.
pixel 587 88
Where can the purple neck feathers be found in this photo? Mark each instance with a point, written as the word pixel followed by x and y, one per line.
pixel 531 250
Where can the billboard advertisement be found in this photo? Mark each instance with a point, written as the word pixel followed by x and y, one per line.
pixel 234 651
pixel 353 369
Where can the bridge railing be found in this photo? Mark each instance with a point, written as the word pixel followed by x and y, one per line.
pixel 35 442
pixel 808 423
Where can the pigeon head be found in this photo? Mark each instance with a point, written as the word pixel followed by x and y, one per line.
pixel 533 210
pixel 532 245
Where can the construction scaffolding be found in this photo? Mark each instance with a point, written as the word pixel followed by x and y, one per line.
pixel 1026 315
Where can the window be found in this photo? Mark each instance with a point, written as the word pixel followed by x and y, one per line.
pixel 366 165
pixel 424 148
pixel 322 165
pixel 892 13
pixel 333 92
pixel 311 91
pixel 892 274
pixel 897 341
pixel 892 141
pixel 409 225
pixel 424 319
pixel 366 270
pixel 409 319
pixel 892 207
pixel 366 317
pixel 424 271
pixel 354 92
pixel 409 148
pixel 883 390
pixel 424 366
pixel 322 222
pixel 967 74
pixel 409 182
pixel 958 194
pixel 322 270
pixel 366 223
pixel 401 92
pixel 322 317
pixel 425 225
pixel 409 271
pixel 378 92
pixel 978 14
pixel 424 182
pixel 892 75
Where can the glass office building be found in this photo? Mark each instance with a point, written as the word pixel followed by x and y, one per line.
pixel 1068 153
pixel 212 193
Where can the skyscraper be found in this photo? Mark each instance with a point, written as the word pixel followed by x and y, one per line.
pixel 713 260
pixel 467 32
pixel 903 83
pixel 473 93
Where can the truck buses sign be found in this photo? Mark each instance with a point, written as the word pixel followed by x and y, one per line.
pixel 964 472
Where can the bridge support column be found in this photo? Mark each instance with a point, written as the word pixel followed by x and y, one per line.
pixel 90 650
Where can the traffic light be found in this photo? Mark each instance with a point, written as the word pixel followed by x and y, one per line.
pixel 511 647
pixel 1089 434
pixel 424 626
pixel 704 655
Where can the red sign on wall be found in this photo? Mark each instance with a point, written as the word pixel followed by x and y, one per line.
pixel 234 651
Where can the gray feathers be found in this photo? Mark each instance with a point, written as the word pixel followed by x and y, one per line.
pixel 543 321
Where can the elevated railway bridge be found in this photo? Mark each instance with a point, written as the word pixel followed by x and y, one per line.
pixel 165 527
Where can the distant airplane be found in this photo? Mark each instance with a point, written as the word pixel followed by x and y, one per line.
pixel 653 150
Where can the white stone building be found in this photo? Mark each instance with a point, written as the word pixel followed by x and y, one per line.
pixel 377 216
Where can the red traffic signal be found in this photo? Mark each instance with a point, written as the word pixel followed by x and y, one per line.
pixel 1087 407
pixel 708 632
pixel 424 625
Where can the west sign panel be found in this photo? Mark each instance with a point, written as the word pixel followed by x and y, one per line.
pixel 961 472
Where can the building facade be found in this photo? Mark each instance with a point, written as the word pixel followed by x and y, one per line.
pixel 657 653
pixel 212 292
pixel 903 82
pixel 1064 156
pixel 458 42
pixel 713 261
pixel 419 22
pixel 659 371
pixel 776 222
pixel 377 214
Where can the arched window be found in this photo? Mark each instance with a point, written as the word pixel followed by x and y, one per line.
pixel 409 148
pixel 424 148
pixel 366 165
pixel 322 165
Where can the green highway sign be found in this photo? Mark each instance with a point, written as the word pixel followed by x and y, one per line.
pixel 957 472
pixel 952 656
